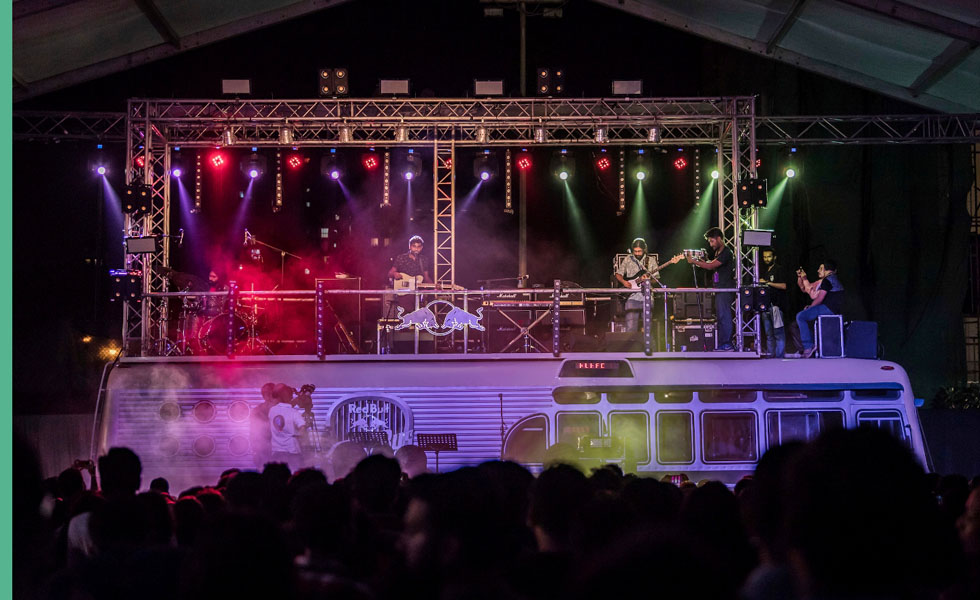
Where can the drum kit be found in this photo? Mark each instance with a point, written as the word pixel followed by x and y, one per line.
pixel 202 327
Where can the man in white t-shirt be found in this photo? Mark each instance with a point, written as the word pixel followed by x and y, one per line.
pixel 286 423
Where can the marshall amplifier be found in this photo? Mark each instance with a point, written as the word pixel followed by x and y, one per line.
pixel 694 338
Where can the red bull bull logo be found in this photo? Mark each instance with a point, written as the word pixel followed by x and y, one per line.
pixel 425 318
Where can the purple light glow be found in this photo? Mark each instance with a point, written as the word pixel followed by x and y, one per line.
pixel 253 173
pixel 484 175
pixel 409 175
pixel 100 170
pixel 177 172
pixel 335 174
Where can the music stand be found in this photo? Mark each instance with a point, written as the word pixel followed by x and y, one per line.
pixel 436 442
pixel 368 439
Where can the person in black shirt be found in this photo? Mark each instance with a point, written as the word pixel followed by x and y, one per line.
pixel 774 278
pixel 411 263
pixel 826 298
pixel 722 263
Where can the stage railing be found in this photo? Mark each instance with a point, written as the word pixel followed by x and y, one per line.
pixel 230 322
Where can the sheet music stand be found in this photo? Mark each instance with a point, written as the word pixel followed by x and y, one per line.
pixel 368 439
pixel 436 442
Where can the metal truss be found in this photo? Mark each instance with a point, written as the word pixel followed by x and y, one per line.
pixel 152 128
pixel 47 126
pixel 883 129
pixel 444 211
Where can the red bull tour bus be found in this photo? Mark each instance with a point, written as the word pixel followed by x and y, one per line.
pixel 705 415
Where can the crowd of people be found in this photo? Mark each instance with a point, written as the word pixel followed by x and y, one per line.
pixel 849 515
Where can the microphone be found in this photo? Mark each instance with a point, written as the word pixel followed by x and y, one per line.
pixel 180 240
pixel 248 238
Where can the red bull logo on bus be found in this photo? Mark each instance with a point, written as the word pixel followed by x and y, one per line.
pixel 425 318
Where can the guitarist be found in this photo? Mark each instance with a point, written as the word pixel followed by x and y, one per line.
pixel 411 265
pixel 637 267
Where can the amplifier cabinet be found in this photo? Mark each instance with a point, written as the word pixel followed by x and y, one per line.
pixel 694 338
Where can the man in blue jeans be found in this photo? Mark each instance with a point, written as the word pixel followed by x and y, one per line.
pixel 722 263
pixel 826 298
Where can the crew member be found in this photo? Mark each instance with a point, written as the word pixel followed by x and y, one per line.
pixel 411 264
pixel 638 267
pixel 722 263
pixel 826 298
pixel 286 424
pixel 259 432
pixel 772 322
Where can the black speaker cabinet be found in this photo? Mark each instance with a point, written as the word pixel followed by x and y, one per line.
pixel 695 338
pixel 861 339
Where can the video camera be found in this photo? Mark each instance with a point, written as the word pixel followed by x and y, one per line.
pixel 304 397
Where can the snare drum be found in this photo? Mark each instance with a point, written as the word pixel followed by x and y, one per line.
pixel 214 334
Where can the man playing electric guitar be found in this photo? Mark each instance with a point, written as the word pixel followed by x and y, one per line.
pixel 638 267
pixel 410 266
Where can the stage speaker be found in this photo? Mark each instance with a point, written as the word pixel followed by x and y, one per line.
pixel 830 336
pixel 630 341
pixel 861 339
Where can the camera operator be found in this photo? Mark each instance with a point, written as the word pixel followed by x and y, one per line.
pixel 286 424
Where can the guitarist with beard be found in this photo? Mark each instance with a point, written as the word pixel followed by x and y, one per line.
pixel 638 267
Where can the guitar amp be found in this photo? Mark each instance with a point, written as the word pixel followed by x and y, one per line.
pixel 695 338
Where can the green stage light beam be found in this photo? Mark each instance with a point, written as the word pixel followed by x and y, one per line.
pixel 690 232
pixel 639 215
pixel 580 227
pixel 770 214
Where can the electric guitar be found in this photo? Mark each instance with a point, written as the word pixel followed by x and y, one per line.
pixel 407 282
pixel 637 280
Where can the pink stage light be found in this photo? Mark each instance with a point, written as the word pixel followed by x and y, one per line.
pixel 217 160
pixel 603 163
pixel 524 162
pixel 680 163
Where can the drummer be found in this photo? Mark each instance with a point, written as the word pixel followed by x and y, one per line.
pixel 215 305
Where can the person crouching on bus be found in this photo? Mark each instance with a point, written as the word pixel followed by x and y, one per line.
pixel 826 298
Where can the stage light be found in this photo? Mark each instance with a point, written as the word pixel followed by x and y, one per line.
pixel 540 135
pixel 286 136
pixel 679 164
pixel 217 160
pixel 641 165
pixel 228 137
pixel 333 82
pixel 524 161
pixel 551 82
pixel 294 161
pixel 254 165
pixel 715 174
pixel 603 163
pixel 654 135
pixel 139 161
pixel 370 161
pixel 176 172
pixel 790 172
pixel 484 166
pixel 413 166
pixel 100 170
pixel 601 134
pixel 563 165
pixel 331 166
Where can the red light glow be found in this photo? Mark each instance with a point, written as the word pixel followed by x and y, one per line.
pixel 370 163
pixel 294 161
pixel 217 160
pixel 524 162
pixel 603 163
pixel 680 163
pixel 140 161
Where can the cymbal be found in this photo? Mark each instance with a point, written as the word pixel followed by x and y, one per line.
pixel 185 282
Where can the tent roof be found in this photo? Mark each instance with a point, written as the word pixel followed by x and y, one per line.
pixel 926 53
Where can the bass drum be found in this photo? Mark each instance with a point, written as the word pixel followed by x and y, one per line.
pixel 214 334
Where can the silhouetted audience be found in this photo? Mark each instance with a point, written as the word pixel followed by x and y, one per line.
pixel 849 515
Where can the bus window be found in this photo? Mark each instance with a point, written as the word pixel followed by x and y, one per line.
pixel 527 440
pixel 787 425
pixel 729 437
pixel 675 437
pixel 727 395
pixel 797 395
pixel 876 394
pixel 566 396
pixel 572 426
pixel 634 429
pixel 628 397
pixel 674 396
pixel 889 420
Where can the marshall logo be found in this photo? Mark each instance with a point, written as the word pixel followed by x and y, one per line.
pixel 425 318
